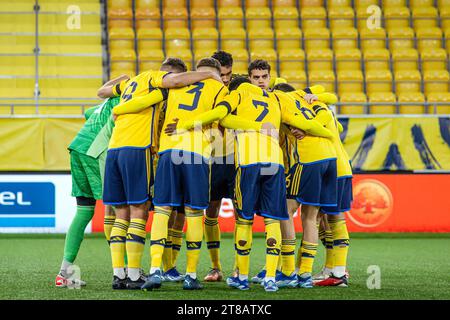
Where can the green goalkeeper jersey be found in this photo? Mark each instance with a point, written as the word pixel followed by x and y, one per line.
pixel 93 137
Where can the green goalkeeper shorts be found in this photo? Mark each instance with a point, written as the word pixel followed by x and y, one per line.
pixel 86 177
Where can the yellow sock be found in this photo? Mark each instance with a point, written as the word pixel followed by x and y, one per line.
pixel 212 238
pixel 273 246
pixel 108 223
pixel 322 234
pixel 340 245
pixel 117 242
pixel 243 245
pixel 235 252
pixel 158 235
pixel 177 240
pixel 194 237
pixel 329 260
pixel 167 254
pixel 307 254
pixel 135 242
pixel 288 256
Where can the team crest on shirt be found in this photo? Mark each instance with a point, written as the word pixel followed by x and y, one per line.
pixel 372 204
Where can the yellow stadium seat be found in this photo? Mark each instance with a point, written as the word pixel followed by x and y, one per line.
pixel 230 18
pixel 439 97
pixel 296 78
pixel 69 88
pixel 256 3
pixel 285 18
pixel 229 3
pixel 289 38
pixel 421 3
pixel 240 60
pixel 341 17
pixel 319 59
pixel 350 81
pixel 123 55
pixel 183 54
pixel 436 81
pixel 363 4
pixel 339 3
pixel 283 3
pixel 177 38
pixel 70 66
pixel 325 78
pixel 443 3
pixel 377 59
pixel 17 66
pixel 150 59
pixel 147 3
pixel 352 97
pixel 447 40
pixel 311 3
pixel 407 81
pixel 345 38
pixel 121 38
pixel 348 59
pixel 205 38
pixel 10 43
pixel 396 17
pixel 203 18
pixel 149 38
pixel 63 44
pixel 382 97
pixel 317 38
pixel 291 59
pixel 120 18
pixel 202 53
pixel 174 3
pixel 266 54
pixel 363 18
pixel 433 59
pixel 175 17
pixel 147 17
pixel 372 39
pixel 258 18
pixel 118 71
pixel 424 17
pixel 232 38
pixel 401 38
pixel 260 38
pixel 202 3
pixel 445 17
pixel 313 17
pixel 429 38
pixel 59 23
pixel 378 81
pixel 405 59
pixel 393 3
pixel 416 97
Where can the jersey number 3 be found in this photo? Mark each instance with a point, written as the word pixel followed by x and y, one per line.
pixel 197 90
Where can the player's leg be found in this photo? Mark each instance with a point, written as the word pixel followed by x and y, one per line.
pixel 325 236
pixel 176 236
pixel 167 194
pixel 86 187
pixel 167 254
pixel 118 245
pixel 243 245
pixel 212 238
pixel 196 175
pixel 135 244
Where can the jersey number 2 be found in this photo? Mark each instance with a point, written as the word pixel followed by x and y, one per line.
pixel 197 90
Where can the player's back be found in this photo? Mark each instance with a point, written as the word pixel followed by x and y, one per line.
pixel 186 103
pixel 311 148
pixel 253 146
pixel 343 161
pixel 136 129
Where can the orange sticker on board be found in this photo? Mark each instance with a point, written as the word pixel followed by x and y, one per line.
pixel 373 203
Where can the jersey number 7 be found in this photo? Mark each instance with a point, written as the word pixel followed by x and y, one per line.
pixel 197 90
pixel 264 113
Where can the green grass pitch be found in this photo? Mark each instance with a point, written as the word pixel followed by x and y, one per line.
pixel 413 266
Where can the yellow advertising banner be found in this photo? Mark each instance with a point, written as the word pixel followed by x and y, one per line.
pixel 373 144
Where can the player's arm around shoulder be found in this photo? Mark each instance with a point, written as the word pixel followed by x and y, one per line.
pixel 113 88
pixel 177 80
pixel 139 104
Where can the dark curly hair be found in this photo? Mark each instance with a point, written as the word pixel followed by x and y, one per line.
pixel 225 58
pixel 258 64
pixel 236 82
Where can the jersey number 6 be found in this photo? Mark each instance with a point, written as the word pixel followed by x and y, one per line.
pixel 197 90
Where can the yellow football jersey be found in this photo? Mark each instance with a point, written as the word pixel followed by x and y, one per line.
pixel 186 103
pixel 136 130
pixel 344 168
pixel 311 148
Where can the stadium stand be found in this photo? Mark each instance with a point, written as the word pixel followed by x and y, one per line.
pixel 331 42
